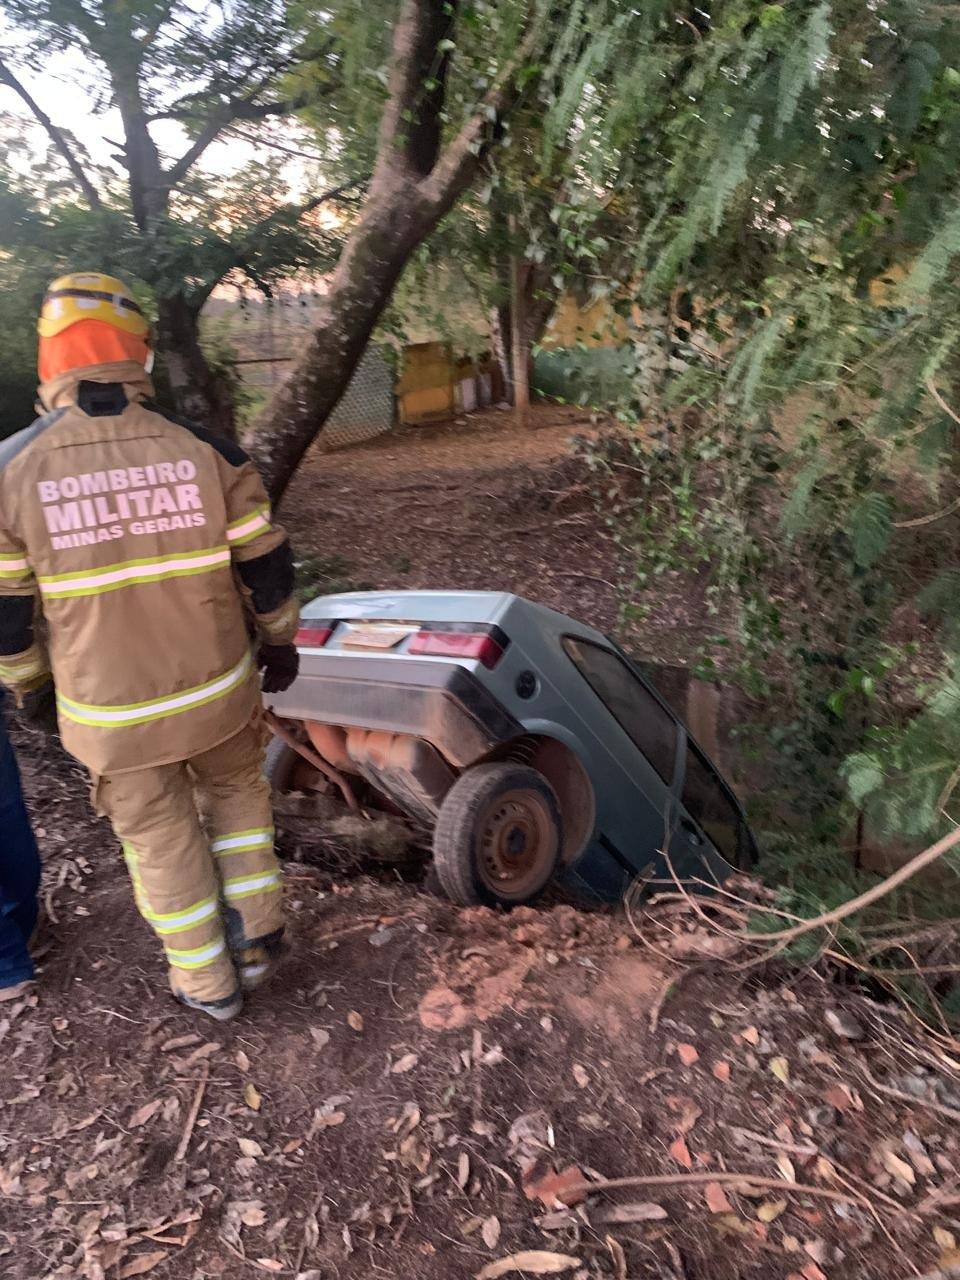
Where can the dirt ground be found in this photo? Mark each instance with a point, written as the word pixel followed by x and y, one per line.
pixel 479 505
pixel 425 1091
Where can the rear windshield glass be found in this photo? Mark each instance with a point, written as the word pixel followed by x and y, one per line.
pixel 629 701
pixel 708 803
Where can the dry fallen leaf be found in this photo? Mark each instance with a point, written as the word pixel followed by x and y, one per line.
pixel 270 1264
pixel 145 1113
pixel 249 1148
pixel 554 1189
pixel 716 1198
pixel 242 1061
pixel 320 1037
pixel 691 1114
pixel 140 1266
pixel 687 1054
pixel 537 1262
pixel 899 1168
pixel 580 1075
pixel 251 1213
pixel 816 1249
pixel 770 1210
pixel 812 1272
pixel 681 1153
pixel 842 1097
pixel 944 1238
pixel 404 1064
pixel 728 1224
pixel 251 1097
pixel 721 1070
pixel 355 1020
pixel 751 1035
pixel 785 1165
pixel 641 1211
pixel 780 1067
pixel 463 1170
pixel 617 1257
pixel 491 1232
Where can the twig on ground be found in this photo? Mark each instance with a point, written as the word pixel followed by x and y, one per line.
pixel 251 1262
pixel 188 1128
pixel 302 1251
pixel 342 933
pixel 951 413
pixel 586 577
pixel 902 1096
pixel 695 1179
pixel 792 1148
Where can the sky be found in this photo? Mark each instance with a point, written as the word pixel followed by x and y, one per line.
pixel 66 90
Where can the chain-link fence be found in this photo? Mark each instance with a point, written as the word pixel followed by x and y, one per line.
pixel 368 406
pixel 366 409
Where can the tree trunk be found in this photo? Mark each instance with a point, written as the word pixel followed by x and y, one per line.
pixel 360 288
pixel 200 393
pixel 519 346
pixel 416 181
pixel 538 301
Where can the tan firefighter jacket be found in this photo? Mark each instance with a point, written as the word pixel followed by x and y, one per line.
pixel 133 552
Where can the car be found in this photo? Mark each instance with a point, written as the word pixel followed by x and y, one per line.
pixel 527 745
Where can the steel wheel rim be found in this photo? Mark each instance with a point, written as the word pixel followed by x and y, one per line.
pixel 516 839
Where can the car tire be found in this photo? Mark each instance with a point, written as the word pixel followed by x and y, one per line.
pixel 498 836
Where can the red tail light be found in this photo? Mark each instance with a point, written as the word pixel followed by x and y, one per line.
pixel 483 647
pixel 313 637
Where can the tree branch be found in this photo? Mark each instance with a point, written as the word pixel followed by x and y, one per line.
pixel 238 109
pixel 239 258
pixel 463 154
pixel 410 129
pixel 57 137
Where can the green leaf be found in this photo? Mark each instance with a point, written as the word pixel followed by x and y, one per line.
pixel 870 528
pixel 864 776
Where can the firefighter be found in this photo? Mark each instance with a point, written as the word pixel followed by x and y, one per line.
pixel 137 557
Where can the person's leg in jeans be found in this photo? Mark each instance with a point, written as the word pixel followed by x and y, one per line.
pixel 19 876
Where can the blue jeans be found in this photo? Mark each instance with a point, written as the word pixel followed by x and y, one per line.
pixel 19 872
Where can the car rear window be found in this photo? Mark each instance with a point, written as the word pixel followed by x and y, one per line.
pixel 707 801
pixel 629 701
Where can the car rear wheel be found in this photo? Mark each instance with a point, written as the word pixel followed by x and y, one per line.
pixel 498 836
pixel 286 770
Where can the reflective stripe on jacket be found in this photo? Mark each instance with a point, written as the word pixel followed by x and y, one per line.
pixel 138 559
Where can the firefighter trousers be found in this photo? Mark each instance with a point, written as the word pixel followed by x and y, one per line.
pixel 197 837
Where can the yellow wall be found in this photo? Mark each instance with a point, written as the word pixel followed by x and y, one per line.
pixel 428 382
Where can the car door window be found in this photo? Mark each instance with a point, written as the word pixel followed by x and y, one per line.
pixel 707 801
pixel 629 701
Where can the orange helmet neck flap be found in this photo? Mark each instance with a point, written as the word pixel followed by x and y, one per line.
pixel 90 319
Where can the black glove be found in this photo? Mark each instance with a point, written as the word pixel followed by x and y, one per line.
pixel 279 664
pixel 39 708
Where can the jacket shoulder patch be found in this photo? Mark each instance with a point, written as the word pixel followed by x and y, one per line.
pixel 229 450
pixel 23 439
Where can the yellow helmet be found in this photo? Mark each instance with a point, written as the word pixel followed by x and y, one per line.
pixel 90 295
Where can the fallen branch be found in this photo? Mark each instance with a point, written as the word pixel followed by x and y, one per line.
pixel 188 1128
pixel 864 900
pixel 932 388
pixel 728 1179
pixel 902 1096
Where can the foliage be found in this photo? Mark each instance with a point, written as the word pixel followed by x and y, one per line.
pixel 799 199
